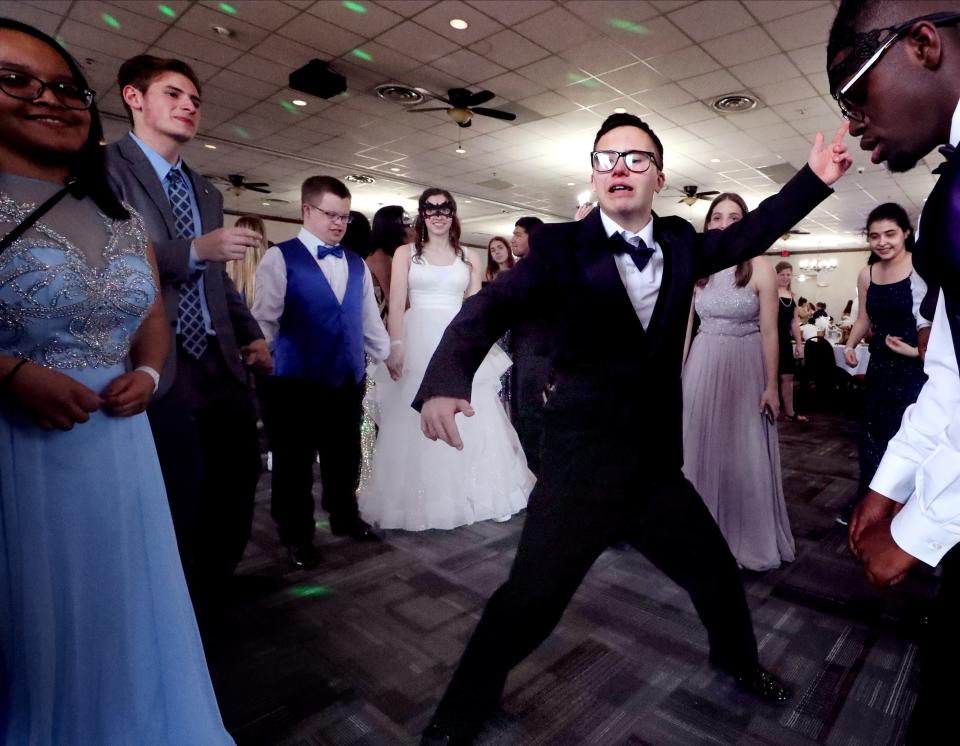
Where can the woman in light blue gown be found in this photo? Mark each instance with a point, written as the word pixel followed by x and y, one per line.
pixel 98 641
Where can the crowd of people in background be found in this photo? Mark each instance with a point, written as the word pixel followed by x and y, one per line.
pixel 333 334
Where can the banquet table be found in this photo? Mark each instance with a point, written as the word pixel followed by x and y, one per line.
pixel 863 359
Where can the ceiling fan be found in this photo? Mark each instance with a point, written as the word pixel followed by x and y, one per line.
pixel 236 184
pixel 463 104
pixel 691 195
pixel 794 232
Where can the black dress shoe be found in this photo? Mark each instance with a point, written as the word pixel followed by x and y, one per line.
pixel 304 556
pixel 357 529
pixel 437 735
pixel 763 684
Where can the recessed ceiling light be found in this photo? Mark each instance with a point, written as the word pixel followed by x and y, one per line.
pixel 619 110
pixel 221 30
pixel 459 24
pixel 394 169
pixel 468 201
pixel 298 102
pixel 570 183
pixel 714 160
pixel 460 150
pixel 208 146
pixel 265 204
pixel 734 103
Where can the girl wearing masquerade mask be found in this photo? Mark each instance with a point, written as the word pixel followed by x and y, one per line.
pixel 417 483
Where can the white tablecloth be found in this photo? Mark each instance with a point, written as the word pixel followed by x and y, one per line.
pixel 863 359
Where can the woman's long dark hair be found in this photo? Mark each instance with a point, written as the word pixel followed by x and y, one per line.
pixel 492 267
pixel 388 231
pixel 87 164
pixel 744 269
pixel 420 226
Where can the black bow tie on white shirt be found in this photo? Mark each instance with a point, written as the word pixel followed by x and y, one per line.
pixel 949 152
pixel 640 254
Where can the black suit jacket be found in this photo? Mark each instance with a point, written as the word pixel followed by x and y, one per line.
pixel 614 411
pixel 135 181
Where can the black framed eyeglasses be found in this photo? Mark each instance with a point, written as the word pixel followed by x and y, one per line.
pixel 333 217
pixel 25 87
pixel 637 161
pixel 862 44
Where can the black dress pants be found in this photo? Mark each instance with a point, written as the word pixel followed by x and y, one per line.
pixel 932 720
pixel 205 429
pixel 307 419
pixel 530 376
pixel 667 522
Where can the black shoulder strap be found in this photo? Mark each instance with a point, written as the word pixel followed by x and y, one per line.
pixel 33 217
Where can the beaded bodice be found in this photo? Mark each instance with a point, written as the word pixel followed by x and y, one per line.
pixel 725 309
pixel 76 286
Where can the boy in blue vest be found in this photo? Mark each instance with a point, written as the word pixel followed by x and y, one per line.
pixel 315 303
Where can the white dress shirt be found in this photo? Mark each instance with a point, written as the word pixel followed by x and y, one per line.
pixel 921 466
pixel 271 290
pixel 642 285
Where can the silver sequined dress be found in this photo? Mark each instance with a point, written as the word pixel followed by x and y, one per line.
pixel 98 641
pixel 731 453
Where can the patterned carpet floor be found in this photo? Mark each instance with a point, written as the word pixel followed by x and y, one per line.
pixel 359 650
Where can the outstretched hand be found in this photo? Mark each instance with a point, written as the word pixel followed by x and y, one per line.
pixel 438 419
pixel 830 162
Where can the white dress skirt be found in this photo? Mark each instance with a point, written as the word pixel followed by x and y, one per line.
pixel 415 483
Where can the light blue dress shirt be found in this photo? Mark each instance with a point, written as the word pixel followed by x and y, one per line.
pixel 161 167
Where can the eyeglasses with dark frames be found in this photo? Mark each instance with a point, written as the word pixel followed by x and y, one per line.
pixel 333 217
pixel 25 87
pixel 637 161
pixel 848 106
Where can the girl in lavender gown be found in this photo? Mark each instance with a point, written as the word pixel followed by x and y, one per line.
pixel 730 402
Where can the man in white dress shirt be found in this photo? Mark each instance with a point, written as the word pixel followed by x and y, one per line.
pixel 315 303
pixel 887 62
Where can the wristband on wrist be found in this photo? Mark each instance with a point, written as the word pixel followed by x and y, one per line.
pixel 152 373
pixel 7 381
pixel 396 343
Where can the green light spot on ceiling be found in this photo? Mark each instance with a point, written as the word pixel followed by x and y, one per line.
pixel 355 7
pixel 362 55
pixel 345 94
pixel 586 82
pixel 633 28
pixel 167 11
pixel 322 524
pixel 110 20
pixel 289 107
pixel 241 132
pixel 61 41
pixel 308 591
pixel 228 9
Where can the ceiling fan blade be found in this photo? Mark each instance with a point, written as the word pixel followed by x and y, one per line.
pixel 708 195
pixel 468 123
pixel 460 97
pixel 432 108
pixel 254 184
pixel 798 232
pixel 480 97
pixel 257 189
pixel 495 113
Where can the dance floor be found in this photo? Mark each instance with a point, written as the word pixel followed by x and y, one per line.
pixel 359 650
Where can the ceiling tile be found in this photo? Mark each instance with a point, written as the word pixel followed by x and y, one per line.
pixel 37 17
pixel 469 66
pixel 417 41
pixel 789 90
pixel 227 99
pixel 406 8
pixel 588 95
pixel 113 43
pixel 437 18
pixel 512 86
pixel 552 72
pixel 284 51
pixel 663 97
pixel 768 10
pixel 234 81
pixel 511 13
pixel 199 19
pixel 556 30
pixel 661 37
pixel 711 85
pixel 688 113
pixel 618 18
pixel 812 59
pixel 742 46
pixel 268 15
pixel 771 69
pixel 599 56
pixel 804 109
pixel 198 47
pixel 803 29
pixel 382 60
pixel 633 78
pixel 131 25
pixel 756 118
pixel 320 35
pixel 509 49
pixel 549 104
pixel 375 20
pixel 725 16
pixel 259 68
pixel 683 64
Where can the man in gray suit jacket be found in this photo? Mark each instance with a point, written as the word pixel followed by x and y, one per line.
pixel 202 418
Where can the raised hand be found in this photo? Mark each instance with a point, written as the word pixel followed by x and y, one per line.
pixel 438 419
pixel 225 244
pixel 830 162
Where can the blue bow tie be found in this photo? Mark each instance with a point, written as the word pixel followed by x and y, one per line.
pixel 323 251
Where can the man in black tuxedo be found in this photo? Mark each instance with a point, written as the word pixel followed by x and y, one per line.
pixel 894 69
pixel 621 281
pixel 202 416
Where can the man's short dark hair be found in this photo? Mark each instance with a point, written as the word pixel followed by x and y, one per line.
pixel 142 70
pixel 529 223
pixel 629 120
pixel 316 186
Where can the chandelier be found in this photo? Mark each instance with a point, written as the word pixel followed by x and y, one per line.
pixel 817 265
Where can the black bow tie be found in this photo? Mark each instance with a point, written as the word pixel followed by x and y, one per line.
pixel 640 254
pixel 949 152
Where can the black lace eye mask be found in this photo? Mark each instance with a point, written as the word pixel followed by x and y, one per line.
pixel 861 47
pixel 437 208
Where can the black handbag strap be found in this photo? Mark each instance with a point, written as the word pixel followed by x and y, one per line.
pixel 33 217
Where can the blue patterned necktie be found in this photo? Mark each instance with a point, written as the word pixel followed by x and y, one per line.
pixel 640 254
pixel 192 330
